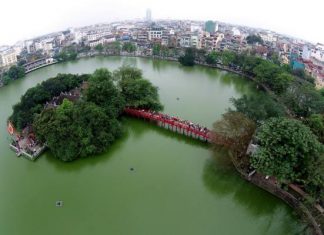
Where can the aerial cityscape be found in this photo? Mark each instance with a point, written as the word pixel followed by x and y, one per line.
pixel 162 126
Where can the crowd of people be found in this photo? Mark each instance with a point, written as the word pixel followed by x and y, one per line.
pixel 184 123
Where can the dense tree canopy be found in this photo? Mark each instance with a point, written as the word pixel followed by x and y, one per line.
pixel 287 150
pixel 138 92
pixel 32 102
pixel 234 131
pixel 252 39
pixel 188 59
pixel 129 47
pixel 89 125
pixel 258 107
pixel 104 93
pixel 76 130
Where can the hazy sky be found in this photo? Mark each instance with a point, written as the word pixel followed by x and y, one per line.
pixel 23 19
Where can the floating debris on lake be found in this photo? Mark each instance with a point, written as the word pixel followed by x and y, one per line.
pixel 59 203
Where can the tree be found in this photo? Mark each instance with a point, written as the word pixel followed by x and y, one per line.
pixel 287 150
pixel 234 131
pixel 252 39
pixel 156 49
pixel 212 57
pixel 129 47
pixel 140 93
pixel 16 72
pixel 127 72
pixel 103 92
pixel 303 99
pixel 76 130
pixel 316 123
pixel 32 102
pixel 137 92
pixel 189 58
pixel 6 79
pixel 228 57
pixel 258 107
pixel 99 48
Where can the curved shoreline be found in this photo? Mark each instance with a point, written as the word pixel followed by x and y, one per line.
pixel 299 206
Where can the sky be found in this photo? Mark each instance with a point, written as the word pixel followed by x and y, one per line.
pixel 24 19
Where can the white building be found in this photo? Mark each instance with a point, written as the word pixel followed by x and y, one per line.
pixel 318 52
pixel 8 57
pixel 155 33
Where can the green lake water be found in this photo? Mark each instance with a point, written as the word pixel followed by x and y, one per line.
pixel 178 186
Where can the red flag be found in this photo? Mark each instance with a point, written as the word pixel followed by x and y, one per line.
pixel 10 128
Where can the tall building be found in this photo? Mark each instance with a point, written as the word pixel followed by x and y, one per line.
pixel 8 57
pixel 148 15
pixel 211 26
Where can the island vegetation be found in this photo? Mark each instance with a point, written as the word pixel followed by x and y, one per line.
pixel 89 125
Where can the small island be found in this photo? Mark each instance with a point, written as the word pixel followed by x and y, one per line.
pixel 77 116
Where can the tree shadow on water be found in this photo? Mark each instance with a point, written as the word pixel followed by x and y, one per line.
pixel 221 178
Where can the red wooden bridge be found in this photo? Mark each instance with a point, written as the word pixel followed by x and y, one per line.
pixel 172 123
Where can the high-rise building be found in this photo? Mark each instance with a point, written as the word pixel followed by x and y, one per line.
pixel 211 26
pixel 148 15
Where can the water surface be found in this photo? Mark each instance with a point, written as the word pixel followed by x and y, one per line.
pixel 178 185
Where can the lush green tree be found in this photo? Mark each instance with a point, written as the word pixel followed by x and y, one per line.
pixel 67 53
pixel 127 72
pixel 129 47
pixel 76 130
pixel 258 107
pixel 99 48
pixel 113 48
pixel 33 100
pixel 188 59
pixel 280 82
pixel 140 93
pixel 303 99
pixel 16 72
pixel 252 39
pixel 316 123
pixel 137 92
pixel 287 150
pixel 156 50
pixel 6 79
pixel 104 93
pixel 212 57
pixel 228 57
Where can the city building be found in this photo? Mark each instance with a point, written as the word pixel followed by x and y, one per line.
pixel 148 15
pixel 8 57
pixel 155 33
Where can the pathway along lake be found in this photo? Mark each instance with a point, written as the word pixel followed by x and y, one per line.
pixel 177 185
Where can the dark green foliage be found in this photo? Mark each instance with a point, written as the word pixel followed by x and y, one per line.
pixel 138 92
pixel 67 53
pixel 287 150
pixel 258 107
pixel 104 93
pixel 189 58
pixel 212 58
pixel 303 99
pixel 16 72
pixel 90 125
pixel 76 130
pixel 252 39
pixel 273 76
pixel 129 47
pixel 33 100
pixel 316 123
pixel 99 48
